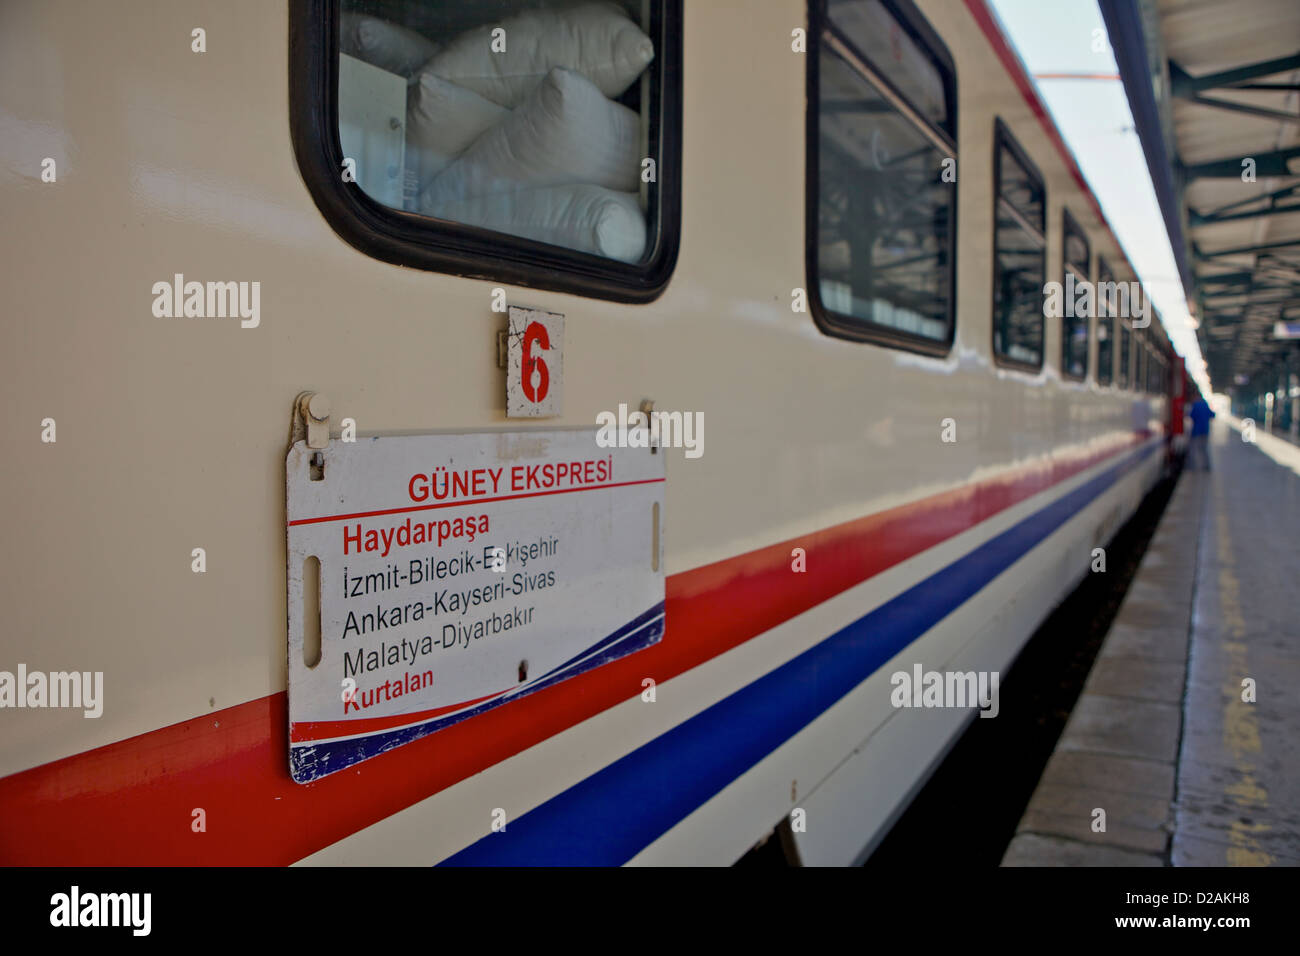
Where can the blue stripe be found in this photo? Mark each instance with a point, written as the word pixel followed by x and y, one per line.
pixel 607 818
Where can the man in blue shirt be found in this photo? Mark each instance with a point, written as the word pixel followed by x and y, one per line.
pixel 1198 446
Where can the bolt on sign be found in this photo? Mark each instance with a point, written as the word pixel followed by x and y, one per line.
pixel 534 364
pixel 435 577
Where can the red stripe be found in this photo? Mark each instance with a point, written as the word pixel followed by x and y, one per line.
pixel 470 501
pixel 130 803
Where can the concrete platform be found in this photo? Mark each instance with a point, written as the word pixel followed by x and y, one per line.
pixel 1187 772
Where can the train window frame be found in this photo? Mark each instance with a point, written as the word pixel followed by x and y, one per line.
pixel 1104 275
pixel 1003 138
pixel 1124 358
pixel 441 246
pixel 1139 361
pixel 1070 225
pixel 918 29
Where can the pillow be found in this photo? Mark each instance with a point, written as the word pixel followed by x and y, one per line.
pixel 565 132
pixel 442 119
pixel 383 44
pixel 594 39
pixel 582 217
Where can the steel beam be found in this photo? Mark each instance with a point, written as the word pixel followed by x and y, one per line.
pixel 1212 219
pixel 1244 250
pixel 1185 85
pixel 1260 111
pixel 1272 163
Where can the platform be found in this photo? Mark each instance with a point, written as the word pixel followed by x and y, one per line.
pixel 1187 772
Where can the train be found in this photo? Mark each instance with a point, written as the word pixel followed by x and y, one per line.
pixel 435 269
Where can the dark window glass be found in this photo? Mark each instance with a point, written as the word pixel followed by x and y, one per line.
pixel 882 256
pixel 1075 246
pixel 888 43
pixel 1140 362
pixel 1019 255
pixel 1125 353
pixel 1105 329
pixel 1074 327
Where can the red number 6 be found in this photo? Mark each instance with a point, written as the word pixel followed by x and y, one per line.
pixel 535 334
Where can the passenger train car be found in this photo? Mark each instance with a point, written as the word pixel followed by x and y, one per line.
pixel 828 229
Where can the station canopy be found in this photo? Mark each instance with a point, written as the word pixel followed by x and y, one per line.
pixel 1213 87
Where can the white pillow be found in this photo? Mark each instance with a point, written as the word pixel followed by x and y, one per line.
pixel 386 45
pixel 442 119
pixel 595 39
pixel 565 132
pixel 586 218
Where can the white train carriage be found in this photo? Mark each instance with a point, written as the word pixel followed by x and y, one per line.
pixel 825 228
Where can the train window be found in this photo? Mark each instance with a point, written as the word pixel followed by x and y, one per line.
pixel 529 143
pixel 1139 362
pixel 881 187
pixel 1105 327
pixel 1019 254
pixel 1125 350
pixel 1076 261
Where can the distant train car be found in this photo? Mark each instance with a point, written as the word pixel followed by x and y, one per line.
pixel 842 233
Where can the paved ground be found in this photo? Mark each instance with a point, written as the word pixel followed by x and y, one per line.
pixel 1187 771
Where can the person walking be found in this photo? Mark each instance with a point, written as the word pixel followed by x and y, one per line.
pixel 1198 445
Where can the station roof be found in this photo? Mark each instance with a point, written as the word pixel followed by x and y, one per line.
pixel 1213 88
